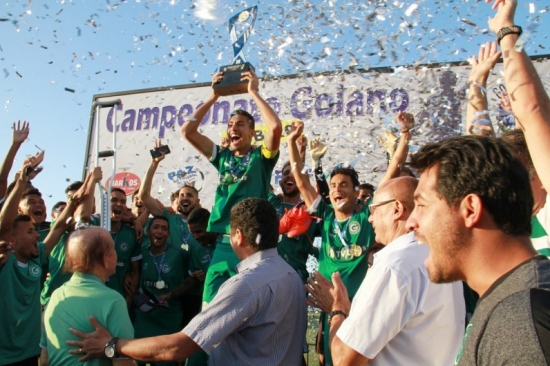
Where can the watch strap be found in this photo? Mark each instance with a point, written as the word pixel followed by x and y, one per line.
pixel 112 343
pixel 503 32
pixel 334 313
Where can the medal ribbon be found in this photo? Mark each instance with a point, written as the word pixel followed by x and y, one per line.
pixel 182 226
pixel 342 233
pixel 159 266
pixel 240 40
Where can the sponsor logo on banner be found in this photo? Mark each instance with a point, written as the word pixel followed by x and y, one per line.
pixel 188 176
pixel 128 182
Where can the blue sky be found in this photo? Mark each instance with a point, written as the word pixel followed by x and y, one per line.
pixel 54 56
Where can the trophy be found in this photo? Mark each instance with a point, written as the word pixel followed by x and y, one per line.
pixel 240 27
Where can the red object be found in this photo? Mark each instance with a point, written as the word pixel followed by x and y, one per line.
pixel 128 182
pixel 296 221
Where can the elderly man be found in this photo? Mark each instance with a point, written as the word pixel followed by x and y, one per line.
pixel 255 319
pixel 92 258
pixel 397 310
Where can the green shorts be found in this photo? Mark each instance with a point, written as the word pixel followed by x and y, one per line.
pixel 221 268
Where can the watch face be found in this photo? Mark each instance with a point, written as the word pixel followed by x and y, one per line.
pixel 110 351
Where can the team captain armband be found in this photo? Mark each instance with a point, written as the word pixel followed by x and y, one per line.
pixel 268 154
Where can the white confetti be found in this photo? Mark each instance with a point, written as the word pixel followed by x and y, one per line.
pixel 411 9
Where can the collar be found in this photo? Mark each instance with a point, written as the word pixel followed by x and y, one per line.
pixel 85 277
pixel 401 242
pixel 255 259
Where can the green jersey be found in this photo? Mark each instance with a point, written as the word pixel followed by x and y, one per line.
pixel 127 250
pixel 71 305
pixel 344 246
pixel 167 268
pixel 201 256
pixel 295 251
pixel 239 178
pixel 20 308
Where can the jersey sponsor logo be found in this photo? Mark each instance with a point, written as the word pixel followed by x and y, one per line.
pixel 166 268
pixel 120 264
pixel 354 227
pixel 35 271
pixel 124 246
pixel 144 267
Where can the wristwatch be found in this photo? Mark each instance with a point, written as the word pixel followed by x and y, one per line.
pixel 515 29
pixel 110 348
pixel 334 313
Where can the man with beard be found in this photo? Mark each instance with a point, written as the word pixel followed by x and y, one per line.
pixel 180 236
pixel 244 170
pixel 20 275
pixel 128 250
pixel 346 233
pixel 294 250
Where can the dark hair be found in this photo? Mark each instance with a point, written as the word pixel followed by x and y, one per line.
pixel 174 195
pixel 31 191
pixel 350 172
pixel 188 186
pixel 516 141
pixel 20 218
pixel 242 112
pixel 58 204
pixel 136 192
pixel 366 186
pixel 198 216
pixel 116 189
pixel 257 219
pixel 486 167
pixel 158 217
pixel 74 186
pixel 287 163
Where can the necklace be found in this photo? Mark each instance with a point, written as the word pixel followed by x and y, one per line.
pixel 235 169
pixel 160 283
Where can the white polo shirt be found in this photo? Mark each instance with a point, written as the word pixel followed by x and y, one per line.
pixel 399 317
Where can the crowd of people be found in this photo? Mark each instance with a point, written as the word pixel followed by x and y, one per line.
pixel 449 267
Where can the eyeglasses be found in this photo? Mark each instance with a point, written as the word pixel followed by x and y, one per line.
pixel 375 205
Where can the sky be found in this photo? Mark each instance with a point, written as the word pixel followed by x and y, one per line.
pixel 56 55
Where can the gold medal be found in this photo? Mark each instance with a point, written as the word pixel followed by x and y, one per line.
pixel 159 285
pixel 356 250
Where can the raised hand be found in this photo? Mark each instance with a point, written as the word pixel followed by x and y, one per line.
pixel 253 81
pixel 317 150
pixel 158 143
pixel 406 120
pixel 20 132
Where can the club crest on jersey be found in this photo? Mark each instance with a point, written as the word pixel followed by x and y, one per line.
pixel 354 227
pixel 124 246
pixel 35 271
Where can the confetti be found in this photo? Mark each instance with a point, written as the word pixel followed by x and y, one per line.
pixel 69 90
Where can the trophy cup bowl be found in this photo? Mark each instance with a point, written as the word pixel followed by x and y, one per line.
pixel 231 82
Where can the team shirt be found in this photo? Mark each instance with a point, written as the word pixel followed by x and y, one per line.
pixel 295 251
pixel 167 267
pixel 201 256
pixel 540 224
pixel 69 307
pixel 344 245
pixel 127 251
pixel 20 308
pixel 239 178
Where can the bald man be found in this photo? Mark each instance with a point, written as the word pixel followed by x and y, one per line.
pixel 91 257
pixel 398 317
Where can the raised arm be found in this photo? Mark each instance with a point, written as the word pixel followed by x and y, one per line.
pixel 145 190
pixel 190 129
pixel 478 121
pixel 529 101
pixel 406 120
pixel 9 210
pixel 85 207
pixel 20 134
pixel 302 180
pixel 60 226
pixel 270 118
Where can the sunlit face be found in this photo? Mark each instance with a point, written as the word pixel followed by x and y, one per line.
pixel 57 211
pixel 118 205
pixel 342 193
pixel 287 182
pixel 239 132
pixel 438 224
pixel 137 205
pixel 382 208
pixel 26 240
pixel 187 200
pixel 158 233
pixel 34 206
pixel 201 235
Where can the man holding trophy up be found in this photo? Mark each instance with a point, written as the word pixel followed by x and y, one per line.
pixel 244 169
